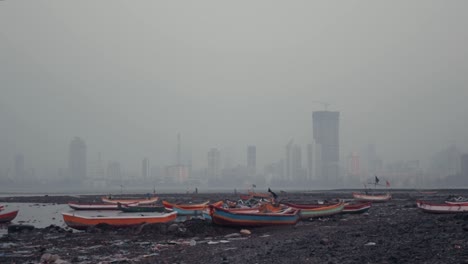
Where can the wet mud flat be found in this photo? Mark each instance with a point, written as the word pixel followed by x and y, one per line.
pixel 391 232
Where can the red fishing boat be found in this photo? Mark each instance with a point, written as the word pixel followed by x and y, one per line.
pixel 8 216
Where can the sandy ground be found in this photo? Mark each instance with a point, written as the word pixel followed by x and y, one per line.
pixel 391 232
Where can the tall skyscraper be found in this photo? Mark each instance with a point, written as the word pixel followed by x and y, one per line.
pixel 326 136
pixel 19 168
pixel 251 160
pixel 145 169
pixel 214 164
pixel 77 160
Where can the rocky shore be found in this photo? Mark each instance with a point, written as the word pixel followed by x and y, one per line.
pixel 391 232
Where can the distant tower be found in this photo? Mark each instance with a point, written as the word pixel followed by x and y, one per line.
pixel 288 161
pixel 113 171
pixel 353 167
pixel 214 160
pixel 310 162
pixel 326 136
pixel 77 160
pixel 19 168
pixel 296 163
pixel 251 160
pixel 145 170
pixel 178 149
pixel 464 167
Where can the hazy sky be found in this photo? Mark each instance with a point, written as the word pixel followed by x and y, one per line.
pixel 127 76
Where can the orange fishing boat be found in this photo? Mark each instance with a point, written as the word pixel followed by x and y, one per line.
pixel 130 201
pixel 82 222
pixel 186 209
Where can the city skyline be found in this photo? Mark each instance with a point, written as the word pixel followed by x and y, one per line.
pixel 354 171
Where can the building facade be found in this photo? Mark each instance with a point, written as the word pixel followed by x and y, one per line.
pixel 251 160
pixel 214 164
pixel 326 136
pixel 77 160
pixel 145 169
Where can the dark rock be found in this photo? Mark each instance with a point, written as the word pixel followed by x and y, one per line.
pixel 20 228
pixel 173 228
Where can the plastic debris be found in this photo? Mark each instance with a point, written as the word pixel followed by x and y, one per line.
pixel 232 235
pixel 245 232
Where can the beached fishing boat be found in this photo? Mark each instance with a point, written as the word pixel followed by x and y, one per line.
pixel 457 200
pixel 186 209
pixel 140 208
pixel 228 217
pixel 206 213
pixel 441 208
pixel 85 206
pixel 6 217
pixel 317 210
pixel 372 197
pixel 356 208
pixel 260 195
pixel 82 222
pixel 245 197
pixel 427 192
pixel 130 201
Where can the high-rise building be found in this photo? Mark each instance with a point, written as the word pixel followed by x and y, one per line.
pixel 96 168
pixel 77 160
pixel 19 168
pixel 113 171
pixel 326 136
pixel 288 161
pixel 310 162
pixel 145 169
pixel 464 166
pixel 251 160
pixel 353 167
pixel 178 173
pixel 293 168
pixel 296 163
pixel 214 160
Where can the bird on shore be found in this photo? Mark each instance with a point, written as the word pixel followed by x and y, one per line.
pixel 272 193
